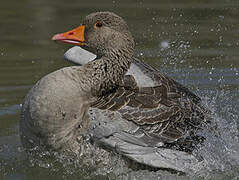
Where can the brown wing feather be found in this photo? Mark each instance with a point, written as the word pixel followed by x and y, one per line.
pixel 161 111
pixel 172 85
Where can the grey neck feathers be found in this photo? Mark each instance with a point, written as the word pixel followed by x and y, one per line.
pixel 108 71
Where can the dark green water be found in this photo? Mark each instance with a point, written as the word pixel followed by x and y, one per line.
pixel 196 42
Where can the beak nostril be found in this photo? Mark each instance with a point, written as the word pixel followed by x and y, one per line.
pixel 71 33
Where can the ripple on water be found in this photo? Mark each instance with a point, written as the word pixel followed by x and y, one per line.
pixel 14 88
pixel 10 110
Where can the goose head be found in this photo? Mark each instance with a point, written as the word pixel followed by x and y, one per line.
pixel 102 33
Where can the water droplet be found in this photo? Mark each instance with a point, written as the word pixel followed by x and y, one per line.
pixel 220 38
pixel 221 17
pixel 164 44
pixel 20 149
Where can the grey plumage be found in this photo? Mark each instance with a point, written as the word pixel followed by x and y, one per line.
pixel 142 120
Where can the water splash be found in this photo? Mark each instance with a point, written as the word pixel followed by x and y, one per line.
pixel 220 151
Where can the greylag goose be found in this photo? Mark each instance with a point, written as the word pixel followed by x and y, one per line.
pixel 154 124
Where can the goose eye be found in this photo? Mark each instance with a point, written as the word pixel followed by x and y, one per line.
pixel 98 24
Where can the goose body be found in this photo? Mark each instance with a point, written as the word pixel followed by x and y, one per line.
pixel 152 119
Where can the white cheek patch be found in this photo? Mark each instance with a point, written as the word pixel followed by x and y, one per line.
pixel 80 56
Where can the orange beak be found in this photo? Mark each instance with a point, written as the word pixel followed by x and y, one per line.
pixel 75 36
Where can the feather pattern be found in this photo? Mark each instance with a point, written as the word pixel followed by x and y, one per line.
pixel 166 113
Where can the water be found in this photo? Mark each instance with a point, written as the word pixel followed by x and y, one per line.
pixel 194 42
